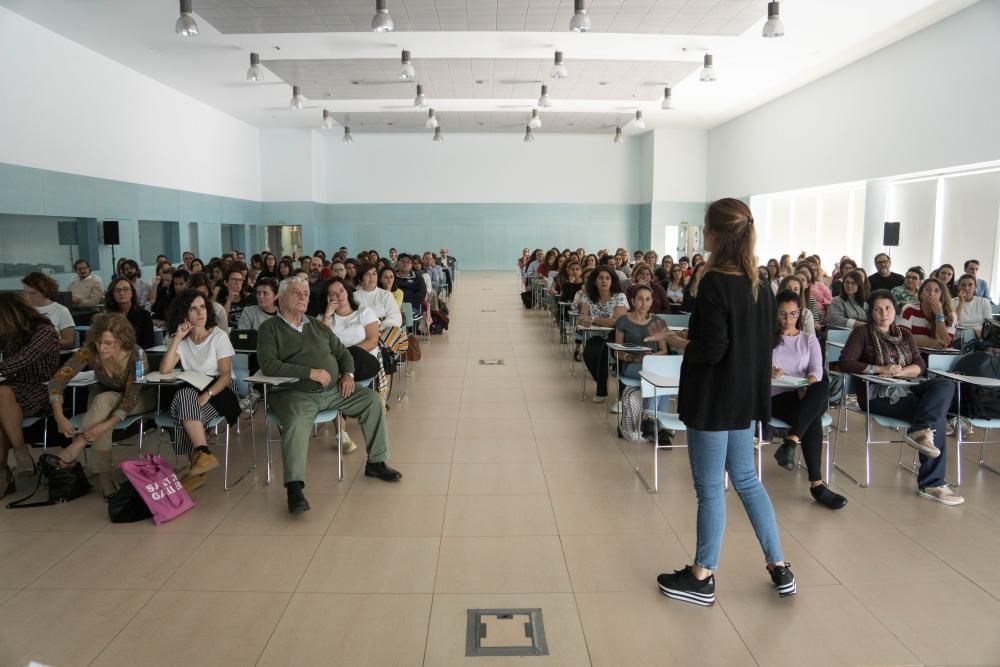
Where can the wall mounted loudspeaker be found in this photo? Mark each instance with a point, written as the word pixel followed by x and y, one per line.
pixel 890 234
pixel 111 232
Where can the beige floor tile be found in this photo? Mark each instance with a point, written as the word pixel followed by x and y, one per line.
pixel 495 450
pixel 498 516
pixel 86 514
pixel 962 632
pixel 606 563
pixel 487 478
pixel 580 427
pixel 592 477
pixel 361 630
pixel 576 449
pixel 197 628
pixel 27 555
pixel 479 382
pixel 265 563
pixel 7 593
pixel 607 514
pixel 901 506
pixel 422 450
pixel 970 544
pixel 429 380
pixel 563 634
pixel 742 563
pixel 501 565
pixel 419 479
pixel 796 508
pixel 426 426
pixel 825 623
pixel 267 514
pixel 389 516
pixel 644 628
pixel 855 553
pixel 120 561
pixel 30 631
pixel 512 409
pixel 511 425
pixel 991 587
pixel 492 396
pixel 321 476
pixel 416 406
pixel 447 395
pixel 372 565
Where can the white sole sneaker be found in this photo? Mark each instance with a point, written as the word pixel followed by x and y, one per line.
pixel 616 408
pixel 951 501
pixel 932 452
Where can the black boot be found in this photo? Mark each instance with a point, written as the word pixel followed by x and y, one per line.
pixel 785 454
pixel 297 503
pixel 382 472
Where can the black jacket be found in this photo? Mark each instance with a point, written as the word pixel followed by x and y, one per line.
pixel 725 381
pixel 876 281
pixel 142 322
pixel 414 289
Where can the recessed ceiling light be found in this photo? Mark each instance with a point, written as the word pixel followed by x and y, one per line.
pixel 329 93
pixel 276 48
pixel 389 123
pixel 480 81
pixel 603 83
pixel 355 82
pixel 154 49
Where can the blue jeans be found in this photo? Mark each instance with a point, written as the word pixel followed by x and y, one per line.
pixel 711 454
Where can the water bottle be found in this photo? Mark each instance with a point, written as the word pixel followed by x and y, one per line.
pixel 140 371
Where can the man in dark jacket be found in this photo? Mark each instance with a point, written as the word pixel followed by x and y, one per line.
pixel 411 283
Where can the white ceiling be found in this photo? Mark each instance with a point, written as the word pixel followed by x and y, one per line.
pixel 658 42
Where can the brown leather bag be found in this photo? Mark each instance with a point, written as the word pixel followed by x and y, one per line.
pixel 413 351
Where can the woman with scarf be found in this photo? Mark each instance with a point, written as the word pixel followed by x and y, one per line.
pixel 883 348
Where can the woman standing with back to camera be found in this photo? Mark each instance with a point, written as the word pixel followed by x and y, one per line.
pixel 725 386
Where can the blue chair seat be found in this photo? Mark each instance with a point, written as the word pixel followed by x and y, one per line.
pixel 826 421
pixel 985 423
pixel 669 420
pixel 890 422
pixel 30 421
pixel 629 382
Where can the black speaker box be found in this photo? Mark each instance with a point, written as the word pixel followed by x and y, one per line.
pixel 890 234
pixel 111 232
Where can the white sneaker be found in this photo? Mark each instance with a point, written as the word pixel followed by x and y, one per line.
pixel 616 408
pixel 599 399
pixel 941 494
pixel 347 444
pixel 923 442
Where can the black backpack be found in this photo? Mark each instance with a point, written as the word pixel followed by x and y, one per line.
pixel 980 402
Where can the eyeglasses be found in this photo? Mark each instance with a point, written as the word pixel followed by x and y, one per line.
pixel 123 290
pixel 789 314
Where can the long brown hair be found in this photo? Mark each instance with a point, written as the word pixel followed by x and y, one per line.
pixel 18 321
pixel 119 327
pixel 735 238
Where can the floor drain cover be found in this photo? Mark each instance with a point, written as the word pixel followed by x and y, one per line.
pixel 491 362
pixel 505 632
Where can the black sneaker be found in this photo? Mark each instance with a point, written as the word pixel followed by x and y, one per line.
pixel 785 455
pixel 383 472
pixel 824 496
pixel 783 580
pixel 297 503
pixel 682 585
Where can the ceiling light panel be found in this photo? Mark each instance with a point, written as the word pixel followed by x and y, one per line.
pixel 474 122
pixel 702 17
pixel 502 78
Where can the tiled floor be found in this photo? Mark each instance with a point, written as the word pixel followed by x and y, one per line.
pixel 516 494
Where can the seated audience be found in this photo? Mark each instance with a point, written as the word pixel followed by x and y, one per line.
pixel 351 265
pixel 946 274
pixel 632 328
pixel 773 276
pixel 201 284
pixel 197 266
pixel 785 267
pixel 379 301
pixel 573 281
pixel 87 289
pixel 29 355
pixel 642 274
pixel 982 287
pixel 285 269
pixel 161 292
pixel 886 349
pixel 269 266
pixel 234 295
pixel 39 290
pixel 412 284
pixel 110 351
pixel 819 292
pixel 971 310
pixel 130 270
pixel 908 291
pixel 884 278
pixel 198 344
pixel 848 310
pixel 932 321
pixel 795 283
pixel 387 281
pixel 846 266
pixel 265 308
pixel 603 302
pixel 797 354
pixel 674 288
pixel 805 275
pixel 187 257
pixel 121 299
pixel 295 345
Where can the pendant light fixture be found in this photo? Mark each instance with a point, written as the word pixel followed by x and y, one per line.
pixel 580 21
pixel 382 22
pixel 406 71
pixel 256 72
pixel 559 70
pixel 186 26
pixel 639 123
pixel 327 120
pixel 619 138
pixel 529 136
pixel 432 121
pixel 773 27
pixel 535 121
pixel 668 101
pixel 420 101
pixel 544 100
pixel 438 137
pixel 708 71
pixel 348 139
pixel 297 101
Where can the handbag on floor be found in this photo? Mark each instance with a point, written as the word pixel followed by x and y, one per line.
pixel 127 506
pixel 65 484
pixel 157 484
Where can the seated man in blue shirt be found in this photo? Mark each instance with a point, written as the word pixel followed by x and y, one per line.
pixel 982 287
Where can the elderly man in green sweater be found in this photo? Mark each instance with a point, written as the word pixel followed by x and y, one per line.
pixel 295 345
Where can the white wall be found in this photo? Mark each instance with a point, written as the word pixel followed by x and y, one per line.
pixel 66 108
pixel 926 102
pixel 287 165
pixel 680 165
pixel 483 168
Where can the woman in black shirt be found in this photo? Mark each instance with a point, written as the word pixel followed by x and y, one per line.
pixel 121 298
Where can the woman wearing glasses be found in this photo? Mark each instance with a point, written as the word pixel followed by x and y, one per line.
pixel 121 298
pixel 797 354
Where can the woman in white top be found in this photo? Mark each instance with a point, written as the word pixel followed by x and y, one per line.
pixel 198 344
pixel 358 330
pixel 970 309
pixel 39 290
pixel 381 302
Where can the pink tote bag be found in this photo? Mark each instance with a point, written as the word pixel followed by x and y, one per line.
pixel 157 484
